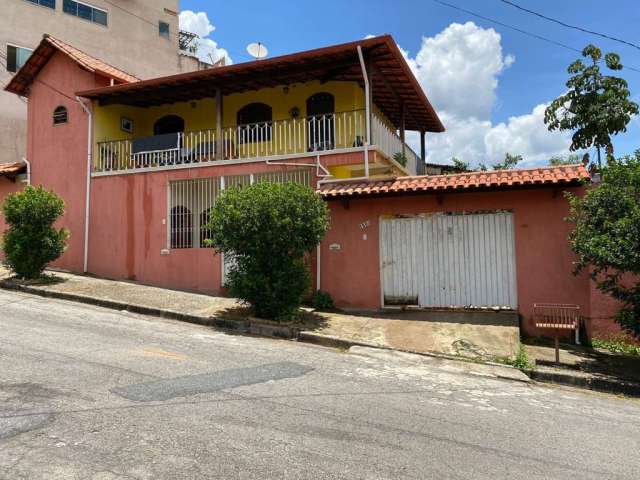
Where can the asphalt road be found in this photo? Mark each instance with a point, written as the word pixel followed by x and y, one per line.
pixel 88 393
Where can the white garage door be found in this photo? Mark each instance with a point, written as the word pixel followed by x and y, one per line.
pixel 449 260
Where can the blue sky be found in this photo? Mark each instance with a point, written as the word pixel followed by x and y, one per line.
pixel 485 85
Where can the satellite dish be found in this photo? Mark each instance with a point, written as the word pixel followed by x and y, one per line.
pixel 257 50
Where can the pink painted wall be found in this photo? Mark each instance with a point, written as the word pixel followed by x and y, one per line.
pixel 58 154
pixel 543 257
pixel 128 229
pixel 603 309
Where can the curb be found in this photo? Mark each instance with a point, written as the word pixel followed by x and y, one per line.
pixel 330 341
pixel 341 343
pixel 236 326
pixel 630 389
pixel 248 326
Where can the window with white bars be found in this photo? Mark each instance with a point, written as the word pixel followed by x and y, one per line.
pixel 190 202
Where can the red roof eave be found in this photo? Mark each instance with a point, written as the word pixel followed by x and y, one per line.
pixel 552 175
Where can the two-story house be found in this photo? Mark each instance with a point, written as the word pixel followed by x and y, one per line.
pixel 140 164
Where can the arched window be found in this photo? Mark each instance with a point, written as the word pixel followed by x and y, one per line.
pixel 321 121
pixel 60 115
pixel 254 123
pixel 181 227
pixel 205 233
pixel 168 124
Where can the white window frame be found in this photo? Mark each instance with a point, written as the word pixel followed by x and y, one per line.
pixel 8 44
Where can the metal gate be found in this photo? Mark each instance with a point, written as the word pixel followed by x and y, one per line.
pixel 449 260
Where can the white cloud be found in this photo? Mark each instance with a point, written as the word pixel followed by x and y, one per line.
pixel 199 23
pixel 459 70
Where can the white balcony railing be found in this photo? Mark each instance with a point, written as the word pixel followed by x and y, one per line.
pixel 390 145
pixel 319 133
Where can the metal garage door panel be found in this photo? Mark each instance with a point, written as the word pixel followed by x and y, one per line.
pixel 445 260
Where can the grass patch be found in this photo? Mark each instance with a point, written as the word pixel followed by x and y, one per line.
pixel 616 346
pixel 520 361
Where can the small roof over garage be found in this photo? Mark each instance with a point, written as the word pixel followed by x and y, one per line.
pixel 393 85
pixel 499 179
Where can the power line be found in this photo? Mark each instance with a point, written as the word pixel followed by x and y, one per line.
pixel 603 35
pixel 525 32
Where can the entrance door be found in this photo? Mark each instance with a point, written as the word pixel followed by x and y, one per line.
pixel 449 260
pixel 321 121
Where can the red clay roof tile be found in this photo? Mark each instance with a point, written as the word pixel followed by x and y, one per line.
pixel 12 169
pixel 502 178
pixel 91 63
pixel 49 45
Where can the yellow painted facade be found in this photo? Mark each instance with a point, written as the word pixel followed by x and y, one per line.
pixel 284 100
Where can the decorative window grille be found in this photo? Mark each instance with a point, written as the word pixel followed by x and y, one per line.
pixel 189 204
pixel 191 201
pixel 181 227
pixel 304 177
pixel 60 115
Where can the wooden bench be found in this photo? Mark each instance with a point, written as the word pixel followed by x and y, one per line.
pixel 558 317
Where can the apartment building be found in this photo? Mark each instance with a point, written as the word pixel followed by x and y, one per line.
pixel 138 36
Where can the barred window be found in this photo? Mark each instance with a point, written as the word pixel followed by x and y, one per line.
pixel 189 204
pixel 181 230
pixel 205 233
pixel 191 201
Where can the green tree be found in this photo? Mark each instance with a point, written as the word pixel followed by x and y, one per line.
pixel 459 166
pixel 268 229
pixel 570 159
pixel 31 242
pixel 510 161
pixel 595 107
pixel 606 237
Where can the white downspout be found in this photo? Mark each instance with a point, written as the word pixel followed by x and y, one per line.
pixel 367 111
pixel 318 268
pixel 88 183
pixel 24 159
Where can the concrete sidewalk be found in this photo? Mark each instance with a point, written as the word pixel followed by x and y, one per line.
pixel 585 367
pixel 482 338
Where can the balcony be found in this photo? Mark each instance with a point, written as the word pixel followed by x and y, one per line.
pixel 291 138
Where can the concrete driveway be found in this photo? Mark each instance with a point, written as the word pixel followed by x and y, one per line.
pixel 88 393
pixel 482 335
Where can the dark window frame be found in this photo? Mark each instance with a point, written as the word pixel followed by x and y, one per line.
pixel 50 4
pixel 161 33
pixel 60 115
pixel 88 13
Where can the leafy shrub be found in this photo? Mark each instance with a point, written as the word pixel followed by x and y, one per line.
pixel 31 242
pixel 606 236
pixel 322 301
pixel 401 158
pixel 268 229
pixel 522 359
pixel 616 346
